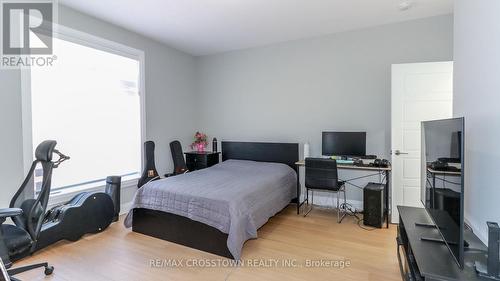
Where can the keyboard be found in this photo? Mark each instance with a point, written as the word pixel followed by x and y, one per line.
pixel 345 162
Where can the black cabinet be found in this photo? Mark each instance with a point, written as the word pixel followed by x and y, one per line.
pixel 422 260
pixel 200 160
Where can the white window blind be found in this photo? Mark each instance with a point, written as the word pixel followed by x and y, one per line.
pixel 89 102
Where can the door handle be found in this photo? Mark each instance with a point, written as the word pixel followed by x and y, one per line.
pixel 397 152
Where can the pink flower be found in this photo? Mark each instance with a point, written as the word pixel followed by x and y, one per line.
pixel 199 139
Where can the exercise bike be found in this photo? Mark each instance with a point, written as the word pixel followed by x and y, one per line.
pixel 87 212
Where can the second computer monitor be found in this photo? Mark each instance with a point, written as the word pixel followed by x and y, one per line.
pixel 344 144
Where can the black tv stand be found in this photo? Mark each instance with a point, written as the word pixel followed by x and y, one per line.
pixel 422 260
pixel 440 240
pixel 436 240
pixel 430 225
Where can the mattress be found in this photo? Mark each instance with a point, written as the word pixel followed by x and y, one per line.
pixel 236 197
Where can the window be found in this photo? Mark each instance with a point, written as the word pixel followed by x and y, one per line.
pixel 89 102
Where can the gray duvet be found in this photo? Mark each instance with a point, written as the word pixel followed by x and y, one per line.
pixel 236 197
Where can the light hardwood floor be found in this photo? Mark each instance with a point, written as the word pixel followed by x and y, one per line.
pixel 120 254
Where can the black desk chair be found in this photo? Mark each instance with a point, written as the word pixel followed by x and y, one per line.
pixel 322 174
pixel 178 158
pixel 27 211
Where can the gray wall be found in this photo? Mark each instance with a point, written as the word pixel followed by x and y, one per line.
pixel 476 96
pixel 293 91
pixel 284 92
pixel 170 95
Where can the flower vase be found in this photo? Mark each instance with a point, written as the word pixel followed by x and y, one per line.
pixel 200 147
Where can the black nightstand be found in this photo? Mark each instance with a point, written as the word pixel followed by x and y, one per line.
pixel 200 160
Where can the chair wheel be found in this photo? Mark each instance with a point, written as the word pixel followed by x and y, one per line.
pixel 49 270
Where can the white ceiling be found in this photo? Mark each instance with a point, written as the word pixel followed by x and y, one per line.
pixel 202 27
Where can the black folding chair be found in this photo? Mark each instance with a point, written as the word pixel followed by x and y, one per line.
pixel 322 174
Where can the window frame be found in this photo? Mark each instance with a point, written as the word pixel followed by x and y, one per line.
pixel 92 41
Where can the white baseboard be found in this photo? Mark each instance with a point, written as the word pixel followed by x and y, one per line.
pixel 319 200
pixel 125 207
pixel 476 229
pixel 330 201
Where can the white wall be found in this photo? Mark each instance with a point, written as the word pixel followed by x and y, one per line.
pixel 293 91
pixel 170 95
pixel 11 141
pixel 477 97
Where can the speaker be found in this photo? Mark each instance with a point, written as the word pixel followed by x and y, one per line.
pixel 490 270
pixel 373 205
pixel 439 165
pixel 113 186
pixel 381 163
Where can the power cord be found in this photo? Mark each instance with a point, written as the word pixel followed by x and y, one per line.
pixel 349 210
pixel 364 227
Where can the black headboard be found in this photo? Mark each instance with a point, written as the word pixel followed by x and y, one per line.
pixel 286 153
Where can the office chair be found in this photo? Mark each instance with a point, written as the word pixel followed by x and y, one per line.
pixel 178 158
pixel 27 210
pixel 321 174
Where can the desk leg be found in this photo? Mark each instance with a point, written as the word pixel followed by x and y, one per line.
pixel 298 190
pixel 433 193
pixel 387 182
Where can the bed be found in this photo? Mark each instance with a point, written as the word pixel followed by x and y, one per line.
pixel 217 209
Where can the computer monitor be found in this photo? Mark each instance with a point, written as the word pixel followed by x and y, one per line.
pixel 344 144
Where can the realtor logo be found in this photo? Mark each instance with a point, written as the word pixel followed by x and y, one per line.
pixel 27 27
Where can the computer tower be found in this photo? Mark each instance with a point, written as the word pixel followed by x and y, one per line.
pixel 373 205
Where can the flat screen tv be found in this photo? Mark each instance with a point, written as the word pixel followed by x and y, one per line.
pixel 344 143
pixel 3 272
pixel 442 185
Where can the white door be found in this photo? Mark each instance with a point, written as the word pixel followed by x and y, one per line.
pixel 420 91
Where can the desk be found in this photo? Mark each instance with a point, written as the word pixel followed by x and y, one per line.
pixel 433 173
pixel 440 172
pixel 386 171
